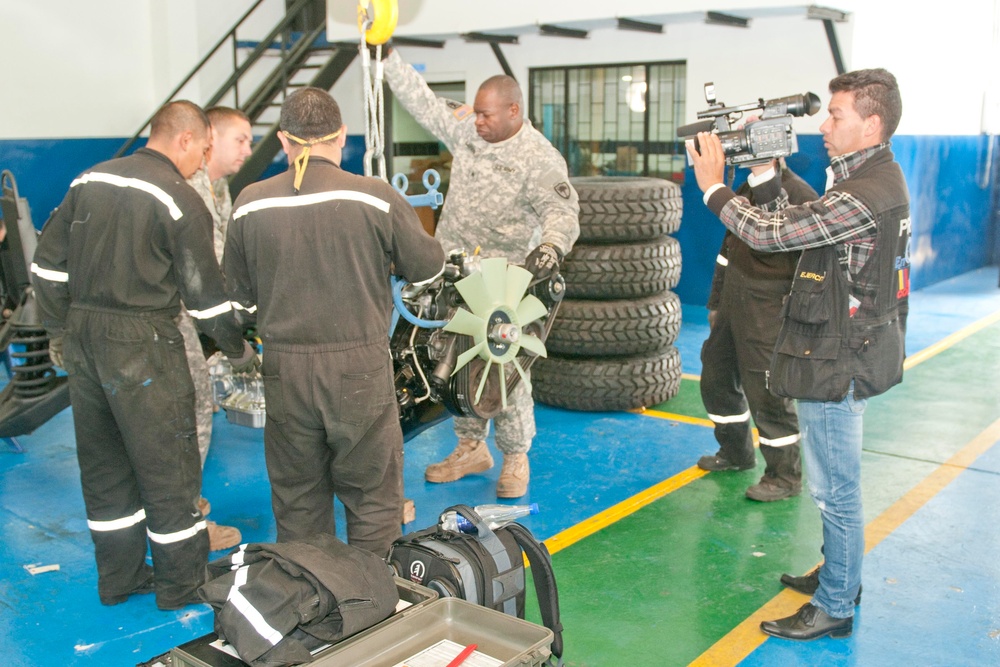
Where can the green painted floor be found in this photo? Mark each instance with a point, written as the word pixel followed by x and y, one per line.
pixel 665 583
pixel 684 563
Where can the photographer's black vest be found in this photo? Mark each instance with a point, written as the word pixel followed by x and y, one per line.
pixel 821 346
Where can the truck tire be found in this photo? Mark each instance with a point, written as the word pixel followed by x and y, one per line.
pixel 622 271
pixel 607 383
pixel 615 328
pixel 627 208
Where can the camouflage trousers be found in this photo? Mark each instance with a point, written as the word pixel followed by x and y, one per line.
pixel 204 405
pixel 515 426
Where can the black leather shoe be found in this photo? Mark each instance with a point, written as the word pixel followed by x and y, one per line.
pixel 717 463
pixel 769 489
pixel 808 583
pixel 807 623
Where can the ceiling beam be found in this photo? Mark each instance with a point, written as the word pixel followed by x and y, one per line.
pixel 557 31
pixel 484 37
pixel 718 18
pixel 640 26
pixel 413 41
pixel 825 14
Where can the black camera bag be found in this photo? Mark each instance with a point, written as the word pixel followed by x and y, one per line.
pixel 486 568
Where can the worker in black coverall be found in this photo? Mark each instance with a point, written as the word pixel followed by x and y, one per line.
pixel 128 243
pixel 744 312
pixel 312 251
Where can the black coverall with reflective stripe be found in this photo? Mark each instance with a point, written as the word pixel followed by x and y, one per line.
pixel 748 289
pixel 129 241
pixel 316 265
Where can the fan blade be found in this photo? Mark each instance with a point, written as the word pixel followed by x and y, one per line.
pixel 503 387
pixel 464 322
pixel 473 289
pixel 530 309
pixel 482 382
pixel 520 371
pixel 517 282
pixel 467 356
pixel 533 344
pixel 494 272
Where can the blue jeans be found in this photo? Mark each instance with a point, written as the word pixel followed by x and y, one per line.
pixel 831 449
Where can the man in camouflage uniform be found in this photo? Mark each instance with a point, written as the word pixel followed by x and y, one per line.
pixel 231 140
pixel 510 195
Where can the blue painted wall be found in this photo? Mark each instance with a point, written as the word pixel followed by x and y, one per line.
pixel 44 168
pixel 953 220
pixel 953 225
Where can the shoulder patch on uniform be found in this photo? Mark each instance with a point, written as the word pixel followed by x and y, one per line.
pixel 459 110
pixel 562 189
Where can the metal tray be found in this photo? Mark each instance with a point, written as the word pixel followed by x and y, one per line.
pixel 511 641
pixel 204 651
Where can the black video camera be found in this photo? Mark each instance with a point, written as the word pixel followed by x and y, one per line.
pixel 756 142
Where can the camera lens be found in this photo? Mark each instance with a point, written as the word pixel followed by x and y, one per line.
pixel 734 143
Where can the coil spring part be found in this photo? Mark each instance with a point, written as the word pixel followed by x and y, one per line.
pixel 32 372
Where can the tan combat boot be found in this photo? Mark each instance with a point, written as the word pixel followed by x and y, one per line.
pixel 514 476
pixel 469 457
pixel 222 537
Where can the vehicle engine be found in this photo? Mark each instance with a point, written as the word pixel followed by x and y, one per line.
pixel 464 341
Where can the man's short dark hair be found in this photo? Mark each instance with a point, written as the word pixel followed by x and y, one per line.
pixel 506 88
pixel 176 117
pixel 224 115
pixel 876 93
pixel 310 113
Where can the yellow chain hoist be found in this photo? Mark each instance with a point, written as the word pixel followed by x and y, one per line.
pixel 378 29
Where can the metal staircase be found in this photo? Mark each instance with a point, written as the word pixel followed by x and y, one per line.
pixel 272 67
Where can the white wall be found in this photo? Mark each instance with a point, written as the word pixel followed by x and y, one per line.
pixel 708 49
pixel 99 68
pixel 944 56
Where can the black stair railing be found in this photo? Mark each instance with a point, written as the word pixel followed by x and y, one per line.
pixel 280 35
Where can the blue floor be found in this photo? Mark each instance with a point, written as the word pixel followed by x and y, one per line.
pixel 944 558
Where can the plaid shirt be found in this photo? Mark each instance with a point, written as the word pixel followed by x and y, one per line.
pixel 836 218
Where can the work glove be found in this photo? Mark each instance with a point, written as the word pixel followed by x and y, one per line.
pixel 543 261
pixel 248 363
pixel 56 351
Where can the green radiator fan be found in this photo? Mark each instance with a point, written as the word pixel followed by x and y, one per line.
pixel 500 314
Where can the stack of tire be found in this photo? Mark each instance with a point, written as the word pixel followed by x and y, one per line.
pixel 611 346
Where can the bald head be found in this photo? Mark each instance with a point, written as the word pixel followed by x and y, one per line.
pixel 498 109
pixel 506 89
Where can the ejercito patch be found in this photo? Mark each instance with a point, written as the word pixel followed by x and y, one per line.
pixel 562 189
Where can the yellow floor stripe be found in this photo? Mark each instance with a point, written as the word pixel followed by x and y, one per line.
pixel 697 421
pixel 746 637
pixel 614 513
pixel 943 344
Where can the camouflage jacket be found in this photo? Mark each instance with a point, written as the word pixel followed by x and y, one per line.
pixel 219 203
pixel 506 197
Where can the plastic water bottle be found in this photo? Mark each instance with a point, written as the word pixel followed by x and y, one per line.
pixel 494 516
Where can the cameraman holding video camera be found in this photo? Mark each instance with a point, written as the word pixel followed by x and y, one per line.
pixel 844 321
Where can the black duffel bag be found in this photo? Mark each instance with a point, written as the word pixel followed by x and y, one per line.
pixel 486 568
pixel 275 603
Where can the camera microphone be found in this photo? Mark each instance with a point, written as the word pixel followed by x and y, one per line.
pixel 695 128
